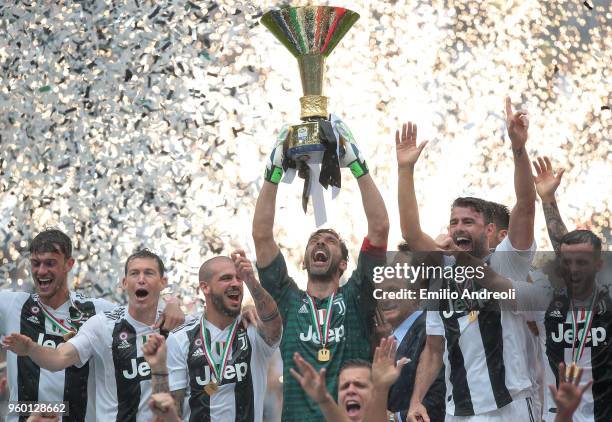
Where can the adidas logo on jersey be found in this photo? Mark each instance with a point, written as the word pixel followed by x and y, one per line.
pixel 197 353
pixel 33 319
pixel 123 345
pixel 555 314
pixel 303 309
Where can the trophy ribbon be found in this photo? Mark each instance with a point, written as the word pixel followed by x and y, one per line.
pixel 577 352
pixel 323 354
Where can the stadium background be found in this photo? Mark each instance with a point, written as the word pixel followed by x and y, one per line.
pixel 138 123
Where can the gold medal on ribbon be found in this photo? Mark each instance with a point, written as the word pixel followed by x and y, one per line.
pixel 322 326
pixel 473 316
pixel 68 336
pixel 323 355
pixel 572 371
pixel 217 369
pixel 211 388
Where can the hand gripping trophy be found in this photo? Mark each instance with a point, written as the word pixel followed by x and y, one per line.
pixel 321 143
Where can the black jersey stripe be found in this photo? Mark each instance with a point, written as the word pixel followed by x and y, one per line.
pixel 243 390
pixel 490 325
pixel 199 401
pixel 28 373
pixel 458 375
pixel 75 379
pixel 125 358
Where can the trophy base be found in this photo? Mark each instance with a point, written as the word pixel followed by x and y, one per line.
pixel 304 143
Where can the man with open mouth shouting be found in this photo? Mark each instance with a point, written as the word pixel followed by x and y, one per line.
pixel 113 340
pixel 328 323
pixel 463 334
pixel 217 368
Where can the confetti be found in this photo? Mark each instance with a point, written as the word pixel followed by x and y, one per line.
pixel 148 123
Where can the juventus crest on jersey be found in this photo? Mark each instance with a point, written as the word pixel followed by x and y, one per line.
pixel 23 313
pixel 241 391
pixel 114 341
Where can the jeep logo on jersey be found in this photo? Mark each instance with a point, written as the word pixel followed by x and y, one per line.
pixel 595 337
pixel 335 335
pixel 47 342
pixel 238 371
pixel 139 368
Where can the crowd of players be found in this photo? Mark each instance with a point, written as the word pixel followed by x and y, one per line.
pixel 346 356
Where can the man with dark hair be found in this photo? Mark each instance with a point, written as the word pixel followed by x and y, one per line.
pixel 501 221
pixel 113 340
pixel 145 253
pixel 407 322
pixel 578 324
pixel 49 317
pixel 218 368
pixel 363 387
pixel 328 323
pixel 463 334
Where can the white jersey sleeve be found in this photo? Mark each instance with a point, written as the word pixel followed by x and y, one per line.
pixel 510 262
pixel 177 345
pixel 88 338
pixel 6 300
pixel 259 344
pixel 532 299
pixel 433 324
pixel 103 305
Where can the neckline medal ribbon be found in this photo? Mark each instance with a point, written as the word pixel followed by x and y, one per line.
pixel 67 328
pixel 324 354
pixel 473 313
pixel 577 352
pixel 218 369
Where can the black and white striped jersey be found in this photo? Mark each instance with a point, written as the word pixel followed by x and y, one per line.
pixel 21 312
pixel 484 358
pixel 114 340
pixel 561 343
pixel 241 394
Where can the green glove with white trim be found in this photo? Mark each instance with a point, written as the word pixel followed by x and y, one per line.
pixel 350 156
pixel 274 166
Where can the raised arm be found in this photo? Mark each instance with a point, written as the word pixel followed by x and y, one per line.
pixel 375 211
pixel 373 204
pixel 155 353
pixel 313 383
pixel 428 369
pixel 569 394
pixel 263 220
pixel 520 229
pixel 408 153
pixel 385 371
pixel 46 357
pixel 546 183
pixel 271 326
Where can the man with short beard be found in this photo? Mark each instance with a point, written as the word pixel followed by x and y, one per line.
pixel 218 368
pixel 50 317
pixel 463 334
pixel 328 323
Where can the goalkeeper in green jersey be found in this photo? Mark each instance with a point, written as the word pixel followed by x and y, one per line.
pixel 327 324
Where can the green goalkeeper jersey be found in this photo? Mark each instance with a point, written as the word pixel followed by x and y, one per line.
pixel 350 326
